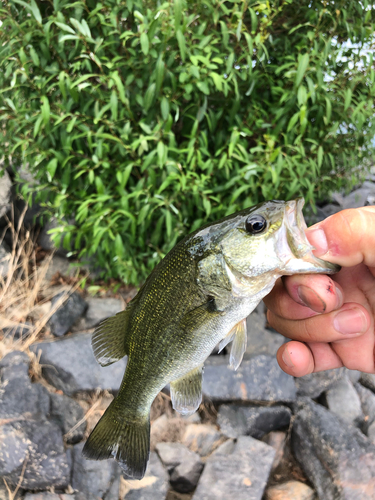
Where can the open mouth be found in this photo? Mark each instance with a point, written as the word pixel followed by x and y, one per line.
pixel 299 244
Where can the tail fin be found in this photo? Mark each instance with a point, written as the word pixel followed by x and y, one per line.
pixel 126 440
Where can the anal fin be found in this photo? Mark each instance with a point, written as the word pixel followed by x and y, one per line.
pixel 186 392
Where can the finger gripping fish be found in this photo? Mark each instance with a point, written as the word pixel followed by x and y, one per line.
pixel 198 296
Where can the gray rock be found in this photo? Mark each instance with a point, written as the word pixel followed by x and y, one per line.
pixel 5 259
pixel 5 191
pixel 257 379
pixel 315 384
pixel 183 465
pixel 114 491
pixel 255 421
pixel 98 310
pixel 360 197
pixel 337 458
pixel 44 455
pixel 90 477
pixel 153 486
pixel 242 474
pixel 69 365
pixel 67 314
pixel 290 490
pixel 371 432
pixel 45 240
pixel 66 413
pixel 60 265
pixel 367 399
pixel 46 495
pixel 343 400
pixel 353 375
pixel 202 438
pixel 368 380
pixel 13 449
pixel 18 396
pixel 261 340
pixel 15 358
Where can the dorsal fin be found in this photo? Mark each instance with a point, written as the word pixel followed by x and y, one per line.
pixel 109 339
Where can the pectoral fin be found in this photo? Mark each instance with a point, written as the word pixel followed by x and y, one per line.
pixel 239 336
pixel 239 345
pixel 186 392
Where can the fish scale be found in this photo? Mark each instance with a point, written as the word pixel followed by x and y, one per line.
pixel 199 295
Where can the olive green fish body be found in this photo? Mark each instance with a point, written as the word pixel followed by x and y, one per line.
pixel 198 296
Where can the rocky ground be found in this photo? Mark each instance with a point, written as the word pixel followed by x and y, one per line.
pixel 259 433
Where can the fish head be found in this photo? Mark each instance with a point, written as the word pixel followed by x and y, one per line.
pixel 269 239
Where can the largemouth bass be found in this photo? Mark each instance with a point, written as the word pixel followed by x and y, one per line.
pixel 198 296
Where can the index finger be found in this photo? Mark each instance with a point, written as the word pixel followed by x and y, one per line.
pixel 346 238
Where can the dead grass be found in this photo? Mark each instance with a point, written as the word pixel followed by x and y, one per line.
pixel 25 293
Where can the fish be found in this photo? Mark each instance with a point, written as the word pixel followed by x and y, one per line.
pixel 196 298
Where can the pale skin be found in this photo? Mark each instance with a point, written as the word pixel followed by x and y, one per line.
pixel 330 319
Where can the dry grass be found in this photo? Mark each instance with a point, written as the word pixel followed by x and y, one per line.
pixel 25 293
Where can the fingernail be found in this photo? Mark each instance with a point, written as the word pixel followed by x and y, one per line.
pixel 318 239
pixel 286 358
pixel 350 321
pixel 311 299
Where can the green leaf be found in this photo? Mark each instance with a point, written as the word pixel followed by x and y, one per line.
pixel 203 87
pixel 302 67
pixel 34 56
pixel 119 246
pixel 348 98
pixel 164 108
pixel 51 169
pixel 177 13
pixel 320 156
pixel 65 27
pixel 168 223
pixel 114 105
pixel 36 12
pixel 159 73
pixel 45 109
pixel 181 44
pixel 149 96
pixel 254 20
pixel 145 43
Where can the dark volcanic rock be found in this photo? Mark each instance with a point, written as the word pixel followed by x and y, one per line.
pixel 183 465
pixel 314 384
pixel 92 478
pixel 67 413
pixel 67 314
pixel 253 421
pixel 18 396
pixel 343 400
pixel 337 458
pixel 69 365
pixel 38 445
pixel 202 438
pixel 242 474
pixel 153 486
pixel 257 379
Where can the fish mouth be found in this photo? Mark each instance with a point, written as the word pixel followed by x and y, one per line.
pixel 304 260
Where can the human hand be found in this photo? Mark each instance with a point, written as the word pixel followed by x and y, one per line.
pixel 330 319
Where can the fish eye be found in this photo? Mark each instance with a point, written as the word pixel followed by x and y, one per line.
pixel 255 224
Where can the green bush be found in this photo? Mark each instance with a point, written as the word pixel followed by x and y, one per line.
pixel 142 119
